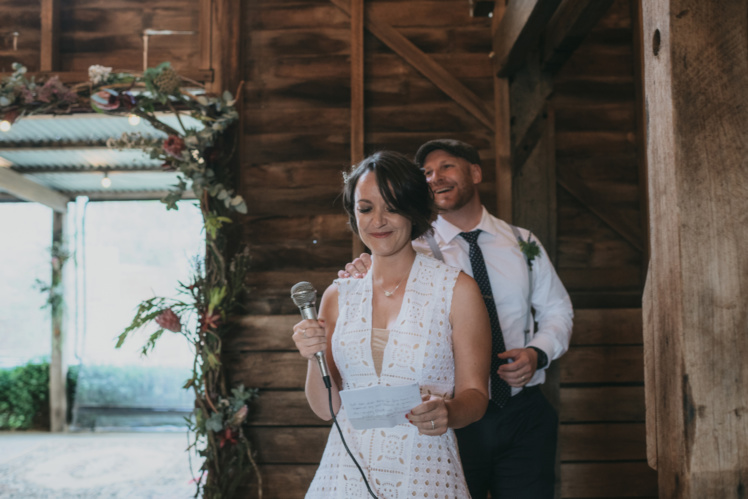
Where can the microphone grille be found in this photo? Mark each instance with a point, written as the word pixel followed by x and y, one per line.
pixel 303 293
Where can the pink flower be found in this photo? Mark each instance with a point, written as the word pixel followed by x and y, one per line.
pixel 53 89
pixel 174 146
pixel 169 320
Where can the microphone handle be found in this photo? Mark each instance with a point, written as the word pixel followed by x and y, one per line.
pixel 309 312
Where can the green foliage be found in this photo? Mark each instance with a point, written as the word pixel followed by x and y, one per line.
pixel 530 249
pixel 24 396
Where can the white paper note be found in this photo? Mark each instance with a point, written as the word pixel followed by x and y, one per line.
pixel 380 406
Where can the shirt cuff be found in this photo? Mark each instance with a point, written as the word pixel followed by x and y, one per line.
pixel 542 358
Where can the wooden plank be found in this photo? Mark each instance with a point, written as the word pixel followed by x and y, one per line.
pixel 262 333
pixel 698 198
pixel 289 481
pixel 602 442
pixel 519 32
pixel 606 299
pixel 613 278
pixel 426 66
pixel 607 326
pixel 289 445
pixel 274 370
pixel 50 35
pixel 283 408
pixel 301 255
pixel 278 229
pixel 608 364
pixel 502 133
pixel 605 403
pixel 575 186
pixel 28 190
pixel 602 480
pixel 568 28
pixel 57 365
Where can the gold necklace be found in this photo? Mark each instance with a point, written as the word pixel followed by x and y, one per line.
pixel 390 293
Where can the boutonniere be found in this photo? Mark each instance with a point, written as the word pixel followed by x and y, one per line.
pixel 530 249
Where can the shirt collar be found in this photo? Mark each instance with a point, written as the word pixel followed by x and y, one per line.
pixel 448 232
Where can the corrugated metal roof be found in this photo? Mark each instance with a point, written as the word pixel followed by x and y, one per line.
pixel 27 160
pixel 94 128
pixel 83 182
pixel 68 153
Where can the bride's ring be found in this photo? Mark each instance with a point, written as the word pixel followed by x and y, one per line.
pixel 303 332
pixel 433 427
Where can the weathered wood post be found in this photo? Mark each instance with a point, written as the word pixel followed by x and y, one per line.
pixel 57 365
pixel 695 307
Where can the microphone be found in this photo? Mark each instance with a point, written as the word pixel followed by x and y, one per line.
pixel 304 296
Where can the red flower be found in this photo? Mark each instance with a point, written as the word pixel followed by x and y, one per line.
pixel 225 436
pixel 174 146
pixel 169 320
pixel 210 321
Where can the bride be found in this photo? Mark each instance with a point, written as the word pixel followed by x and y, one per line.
pixel 411 319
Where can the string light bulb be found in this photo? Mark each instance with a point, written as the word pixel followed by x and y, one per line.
pixel 133 120
pixel 106 182
pixel 5 125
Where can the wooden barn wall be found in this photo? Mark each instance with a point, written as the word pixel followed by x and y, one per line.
pixel 296 142
pixel 600 260
pixel 105 32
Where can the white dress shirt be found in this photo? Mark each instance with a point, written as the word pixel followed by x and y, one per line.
pixel 508 273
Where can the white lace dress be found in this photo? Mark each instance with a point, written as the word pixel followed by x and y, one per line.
pixel 398 462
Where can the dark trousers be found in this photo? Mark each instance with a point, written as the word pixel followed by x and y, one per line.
pixel 512 451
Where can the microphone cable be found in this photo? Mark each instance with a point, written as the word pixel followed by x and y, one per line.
pixel 335 420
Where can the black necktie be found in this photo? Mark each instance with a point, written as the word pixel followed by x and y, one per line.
pixel 500 391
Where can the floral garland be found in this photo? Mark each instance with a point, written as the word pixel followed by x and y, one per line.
pixel 215 290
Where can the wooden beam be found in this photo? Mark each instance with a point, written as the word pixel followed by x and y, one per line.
pixel 519 32
pixel 568 27
pixel 226 61
pixel 641 127
pixel 502 133
pixel 50 35
pixel 425 65
pixel 205 34
pixel 198 75
pixel 574 185
pixel 697 130
pixel 57 366
pixel 357 97
pixel 23 188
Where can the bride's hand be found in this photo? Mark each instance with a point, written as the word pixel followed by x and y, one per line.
pixel 431 416
pixel 309 336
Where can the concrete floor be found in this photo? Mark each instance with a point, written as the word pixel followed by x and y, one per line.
pixel 95 465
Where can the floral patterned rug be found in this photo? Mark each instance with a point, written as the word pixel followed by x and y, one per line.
pixel 95 465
